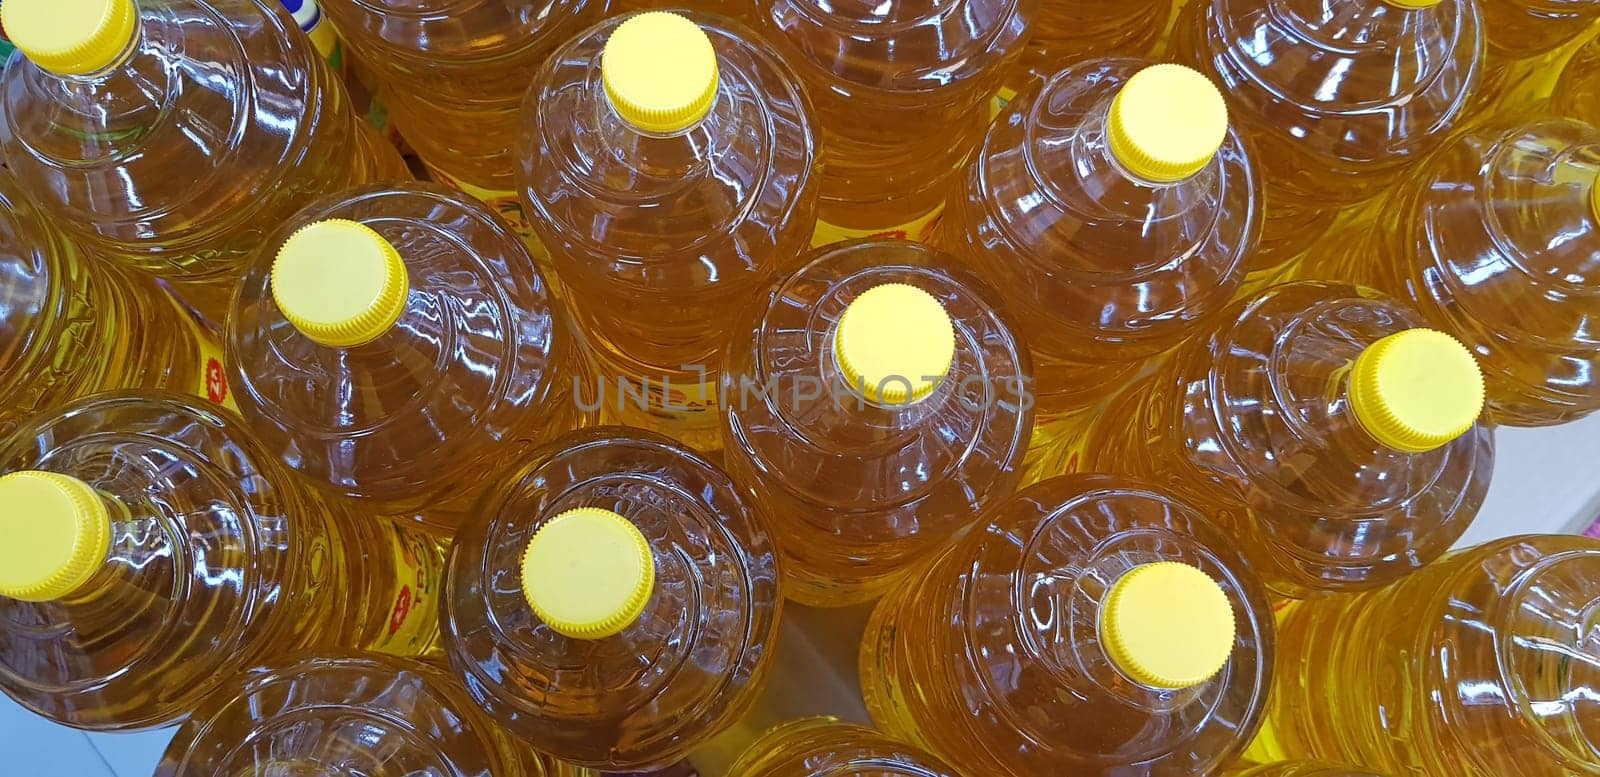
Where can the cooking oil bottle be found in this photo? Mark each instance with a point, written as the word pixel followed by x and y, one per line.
pixel 71 326
pixel 1527 43
pixel 1576 94
pixel 1496 240
pixel 669 163
pixel 614 602
pixel 1335 99
pixel 396 343
pixel 877 401
pixel 1485 662
pixel 1114 209
pixel 164 135
pixel 738 9
pixel 453 74
pixel 827 747
pixel 1094 624
pixel 348 713
pixel 1298 769
pixel 1069 31
pixel 153 548
pixel 1323 425
pixel 901 91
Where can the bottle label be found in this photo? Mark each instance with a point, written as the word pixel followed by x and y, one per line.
pixel 504 203
pixel 919 229
pixel 213 383
pixel 998 102
pixel 413 624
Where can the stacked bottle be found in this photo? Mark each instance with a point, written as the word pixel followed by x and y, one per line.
pixel 614 602
pixel 1093 624
pixel 452 75
pixel 163 136
pixel 1324 425
pixel 1495 239
pixel 1117 214
pixel 1482 663
pixel 900 91
pixel 669 164
pixel 396 343
pixel 877 403
pixel 339 713
pixel 824 747
pixel 1334 99
pixel 72 325
pixel 154 549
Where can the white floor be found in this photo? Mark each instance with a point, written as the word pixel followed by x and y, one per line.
pixel 1545 481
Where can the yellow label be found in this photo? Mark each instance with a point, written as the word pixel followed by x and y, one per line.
pixel 213 384
pixel 413 624
pixel 919 229
pixel 999 101
pixel 504 203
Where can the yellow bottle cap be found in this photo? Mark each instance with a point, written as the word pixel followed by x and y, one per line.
pixel 1413 5
pixel 1167 123
pixel 70 37
pixel 339 283
pixel 894 343
pixel 587 573
pixel 1167 625
pixel 1416 390
pixel 55 531
pixel 1594 198
pixel 660 72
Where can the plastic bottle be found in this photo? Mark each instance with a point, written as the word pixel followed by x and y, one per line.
pixel 669 162
pixel 614 602
pixel 1576 95
pixel 1116 213
pixel 164 135
pixel 1069 31
pixel 737 9
pixel 1298 769
pixel 1334 99
pixel 153 548
pixel 876 399
pixel 1094 625
pixel 348 713
pixel 395 343
pixel 1323 425
pixel 1496 240
pixel 453 74
pixel 71 326
pixel 827 747
pixel 900 91
pixel 1527 43
pixel 1483 663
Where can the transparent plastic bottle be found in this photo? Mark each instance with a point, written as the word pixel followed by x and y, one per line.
pixel 827 747
pixel 396 343
pixel 1330 432
pixel 1527 43
pixel 71 326
pixel 452 75
pixel 901 91
pixel 1334 99
pixel 1116 213
pixel 1096 625
pixel 1486 662
pixel 1496 240
pixel 153 548
pixel 361 714
pixel 164 135
pixel 614 602
pixel 670 165
pixel 1298 769
pixel 1576 94
pixel 1069 31
pixel 737 9
pixel 877 401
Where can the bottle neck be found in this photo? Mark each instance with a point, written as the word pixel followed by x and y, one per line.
pixel 110 574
